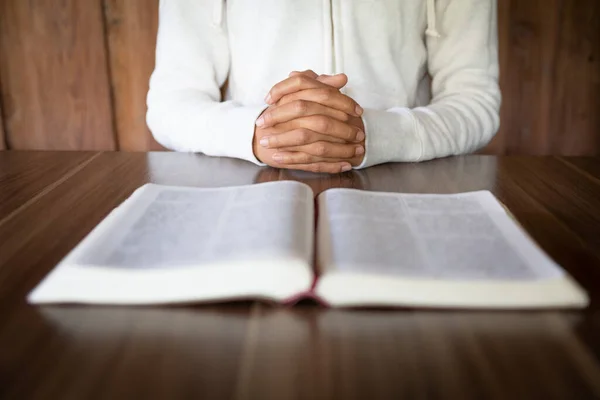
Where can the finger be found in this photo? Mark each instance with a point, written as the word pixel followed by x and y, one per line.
pixel 291 85
pixel 322 167
pixel 296 137
pixel 337 81
pixel 309 72
pixel 327 150
pixel 299 157
pixel 296 109
pixel 326 97
pixel 330 127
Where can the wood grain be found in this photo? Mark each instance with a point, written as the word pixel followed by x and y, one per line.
pixel 587 165
pixel 575 205
pixel 2 136
pixel 574 121
pixel 252 350
pixel 53 67
pixel 550 72
pixel 498 144
pixel 26 175
pixel 529 73
pixel 132 27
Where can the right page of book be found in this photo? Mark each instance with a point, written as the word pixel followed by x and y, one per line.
pixel 458 237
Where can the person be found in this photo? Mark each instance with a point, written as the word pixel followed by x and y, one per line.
pixel 325 85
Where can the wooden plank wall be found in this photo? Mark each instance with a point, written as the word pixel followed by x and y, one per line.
pixel 53 68
pixel 131 27
pixel 550 77
pixel 75 75
pixel 2 138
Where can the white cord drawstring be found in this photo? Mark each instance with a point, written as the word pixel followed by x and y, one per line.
pixel 431 20
pixel 217 17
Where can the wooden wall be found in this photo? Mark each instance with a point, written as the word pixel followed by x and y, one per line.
pixel 2 140
pixel 74 75
pixel 55 84
pixel 131 28
pixel 550 77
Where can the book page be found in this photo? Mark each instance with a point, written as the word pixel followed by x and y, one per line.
pixel 162 226
pixel 450 237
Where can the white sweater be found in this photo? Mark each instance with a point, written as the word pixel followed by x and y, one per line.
pixel 425 71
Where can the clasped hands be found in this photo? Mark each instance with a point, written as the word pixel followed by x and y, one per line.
pixel 310 125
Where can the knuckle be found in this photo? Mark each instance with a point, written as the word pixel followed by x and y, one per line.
pixel 350 104
pixel 299 80
pixel 301 106
pixel 324 94
pixel 323 124
pixel 283 100
pixel 320 149
pixel 275 90
pixel 316 168
pixel 304 135
pixel 267 116
pixel 274 141
pixel 344 117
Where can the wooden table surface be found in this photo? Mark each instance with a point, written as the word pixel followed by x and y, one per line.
pixel 51 200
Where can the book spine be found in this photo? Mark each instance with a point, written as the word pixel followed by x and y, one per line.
pixel 309 294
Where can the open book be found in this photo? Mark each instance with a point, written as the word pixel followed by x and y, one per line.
pixel 184 245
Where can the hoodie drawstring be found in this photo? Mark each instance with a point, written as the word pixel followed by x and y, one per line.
pixel 217 17
pixel 431 20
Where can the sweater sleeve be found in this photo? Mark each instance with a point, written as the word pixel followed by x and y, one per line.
pixel 185 112
pixel 463 114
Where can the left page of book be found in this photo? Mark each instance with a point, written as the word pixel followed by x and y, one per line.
pixel 175 244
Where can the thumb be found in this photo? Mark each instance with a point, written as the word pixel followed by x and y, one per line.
pixel 337 81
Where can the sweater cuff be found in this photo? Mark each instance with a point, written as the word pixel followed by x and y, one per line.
pixel 239 124
pixel 390 136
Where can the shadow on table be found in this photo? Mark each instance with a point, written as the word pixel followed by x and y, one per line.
pixel 447 175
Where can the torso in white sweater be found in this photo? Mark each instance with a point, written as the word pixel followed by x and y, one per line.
pixel 425 71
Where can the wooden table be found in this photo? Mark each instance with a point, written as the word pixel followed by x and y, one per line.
pixel 49 201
